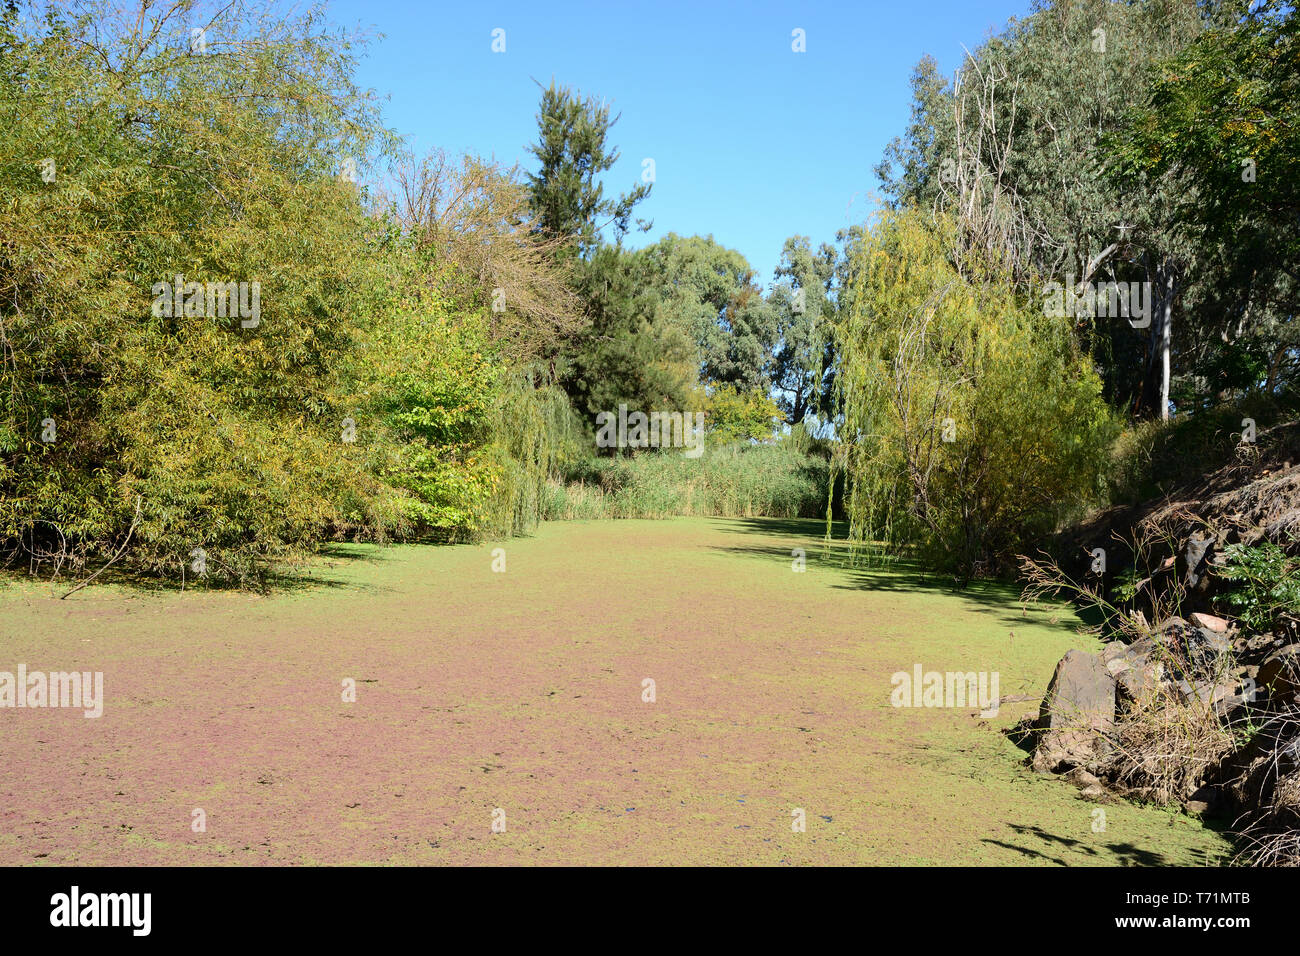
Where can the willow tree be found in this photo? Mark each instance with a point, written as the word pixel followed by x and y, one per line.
pixel 972 423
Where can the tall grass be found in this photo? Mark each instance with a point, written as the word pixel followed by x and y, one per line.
pixel 730 481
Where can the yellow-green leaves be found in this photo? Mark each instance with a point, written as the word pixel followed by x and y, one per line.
pixel 971 420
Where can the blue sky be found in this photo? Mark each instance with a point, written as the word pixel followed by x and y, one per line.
pixel 752 142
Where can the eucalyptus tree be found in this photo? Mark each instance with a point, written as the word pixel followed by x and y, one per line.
pixel 1223 120
pixel 713 292
pixel 804 299
pixel 1015 146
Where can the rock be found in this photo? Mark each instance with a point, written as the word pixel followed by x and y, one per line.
pixel 1225 707
pixel 1261 642
pixel 1198 647
pixel 1195 556
pixel 1113 650
pixel 1209 622
pixel 1209 642
pixel 1082 778
pixel 1139 683
pixel 1139 672
pixel 1205 795
pixel 1078 710
pixel 1252 774
pixel 1280 672
pixel 1173 633
pixel 1208 693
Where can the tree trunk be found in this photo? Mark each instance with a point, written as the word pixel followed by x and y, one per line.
pixel 1166 328
pixel 1153 398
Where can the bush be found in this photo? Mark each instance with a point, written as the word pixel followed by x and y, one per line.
pixel 204 429
pixel 368 398
pixel 1266 584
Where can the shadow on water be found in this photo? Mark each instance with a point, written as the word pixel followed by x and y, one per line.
pixel 875 571
pixel 786 527
pixel 316 573
pixel 1124 854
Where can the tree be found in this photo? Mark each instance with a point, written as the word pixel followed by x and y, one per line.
pixel 636 351
pixel 475 215
pixel 568 200
pixel 1014 146
pixel 972 423
pixel 712 291
pixel 804 361
pixel 131 162
pixel 1223 121
pixel 314 372
pixel 737 416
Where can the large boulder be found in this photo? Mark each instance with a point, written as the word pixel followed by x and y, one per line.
pixel 1077 712
pixel 1197 555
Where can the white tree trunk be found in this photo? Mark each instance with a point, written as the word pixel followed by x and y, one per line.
pixel 1166 329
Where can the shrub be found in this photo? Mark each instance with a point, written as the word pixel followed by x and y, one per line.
pixel 1152 458
pixel 1267 583
pixel 224 434
pixel 373 396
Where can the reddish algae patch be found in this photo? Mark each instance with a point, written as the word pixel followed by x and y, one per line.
pixel 523 691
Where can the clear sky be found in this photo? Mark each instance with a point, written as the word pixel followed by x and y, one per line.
pixel 752 142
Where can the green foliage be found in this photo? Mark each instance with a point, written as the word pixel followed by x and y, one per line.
pixel 1018 149
pixel 425 382
pixel 804 362
pixel 1151 459
pixel 219 168
pixel 972 424
pixel 538 436
pixel 567 197
pixel 726 481
pixel 379 322
pixel 733 415
pixel 1267 583
pixel 1223 119
pixel 200 429
pixel 635 351
pixel 711 291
